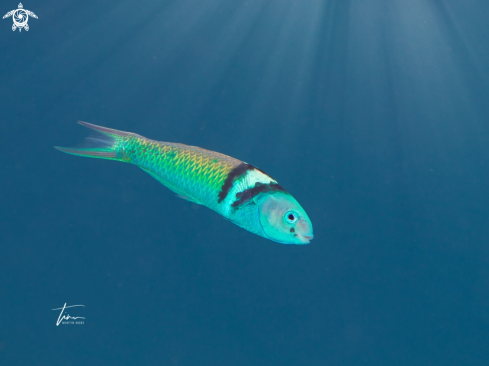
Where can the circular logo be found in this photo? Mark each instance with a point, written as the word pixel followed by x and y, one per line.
pixel 20 18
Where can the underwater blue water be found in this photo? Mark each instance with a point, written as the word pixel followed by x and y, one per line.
pixel 374 114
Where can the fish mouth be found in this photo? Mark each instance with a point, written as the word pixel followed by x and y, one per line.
pixel 305 239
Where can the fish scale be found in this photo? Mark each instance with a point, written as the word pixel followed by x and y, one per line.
pixel 199 172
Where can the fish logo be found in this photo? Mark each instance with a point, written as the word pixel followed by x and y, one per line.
pixel 20 17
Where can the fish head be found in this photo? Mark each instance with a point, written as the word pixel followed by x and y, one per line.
pixel 283 219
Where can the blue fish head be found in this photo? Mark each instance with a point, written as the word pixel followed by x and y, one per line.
pixel 283 219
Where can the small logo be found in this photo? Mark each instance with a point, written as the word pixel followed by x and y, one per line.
pixel 20 17
pixel 67 318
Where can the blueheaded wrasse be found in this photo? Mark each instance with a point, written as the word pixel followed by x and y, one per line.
pixel 241 193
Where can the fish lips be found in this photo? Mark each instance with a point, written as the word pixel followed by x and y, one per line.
pixel 305 239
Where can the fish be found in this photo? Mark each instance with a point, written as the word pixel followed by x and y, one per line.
pixel 240 192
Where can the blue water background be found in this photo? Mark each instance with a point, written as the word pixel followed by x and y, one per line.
pixel 373 113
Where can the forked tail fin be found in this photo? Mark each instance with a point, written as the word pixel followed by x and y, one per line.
pixel 102 144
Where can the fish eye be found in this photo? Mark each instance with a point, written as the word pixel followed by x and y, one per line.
pixel 291 217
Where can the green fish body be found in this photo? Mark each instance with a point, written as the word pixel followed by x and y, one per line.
pixel 236 190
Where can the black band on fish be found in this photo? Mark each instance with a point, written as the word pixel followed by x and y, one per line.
pixel 248 194
pixel 233 175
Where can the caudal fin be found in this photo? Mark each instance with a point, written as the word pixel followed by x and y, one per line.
pixel 101 144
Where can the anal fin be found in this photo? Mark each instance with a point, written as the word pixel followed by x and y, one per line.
pixel 187 198
pixel 177 191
